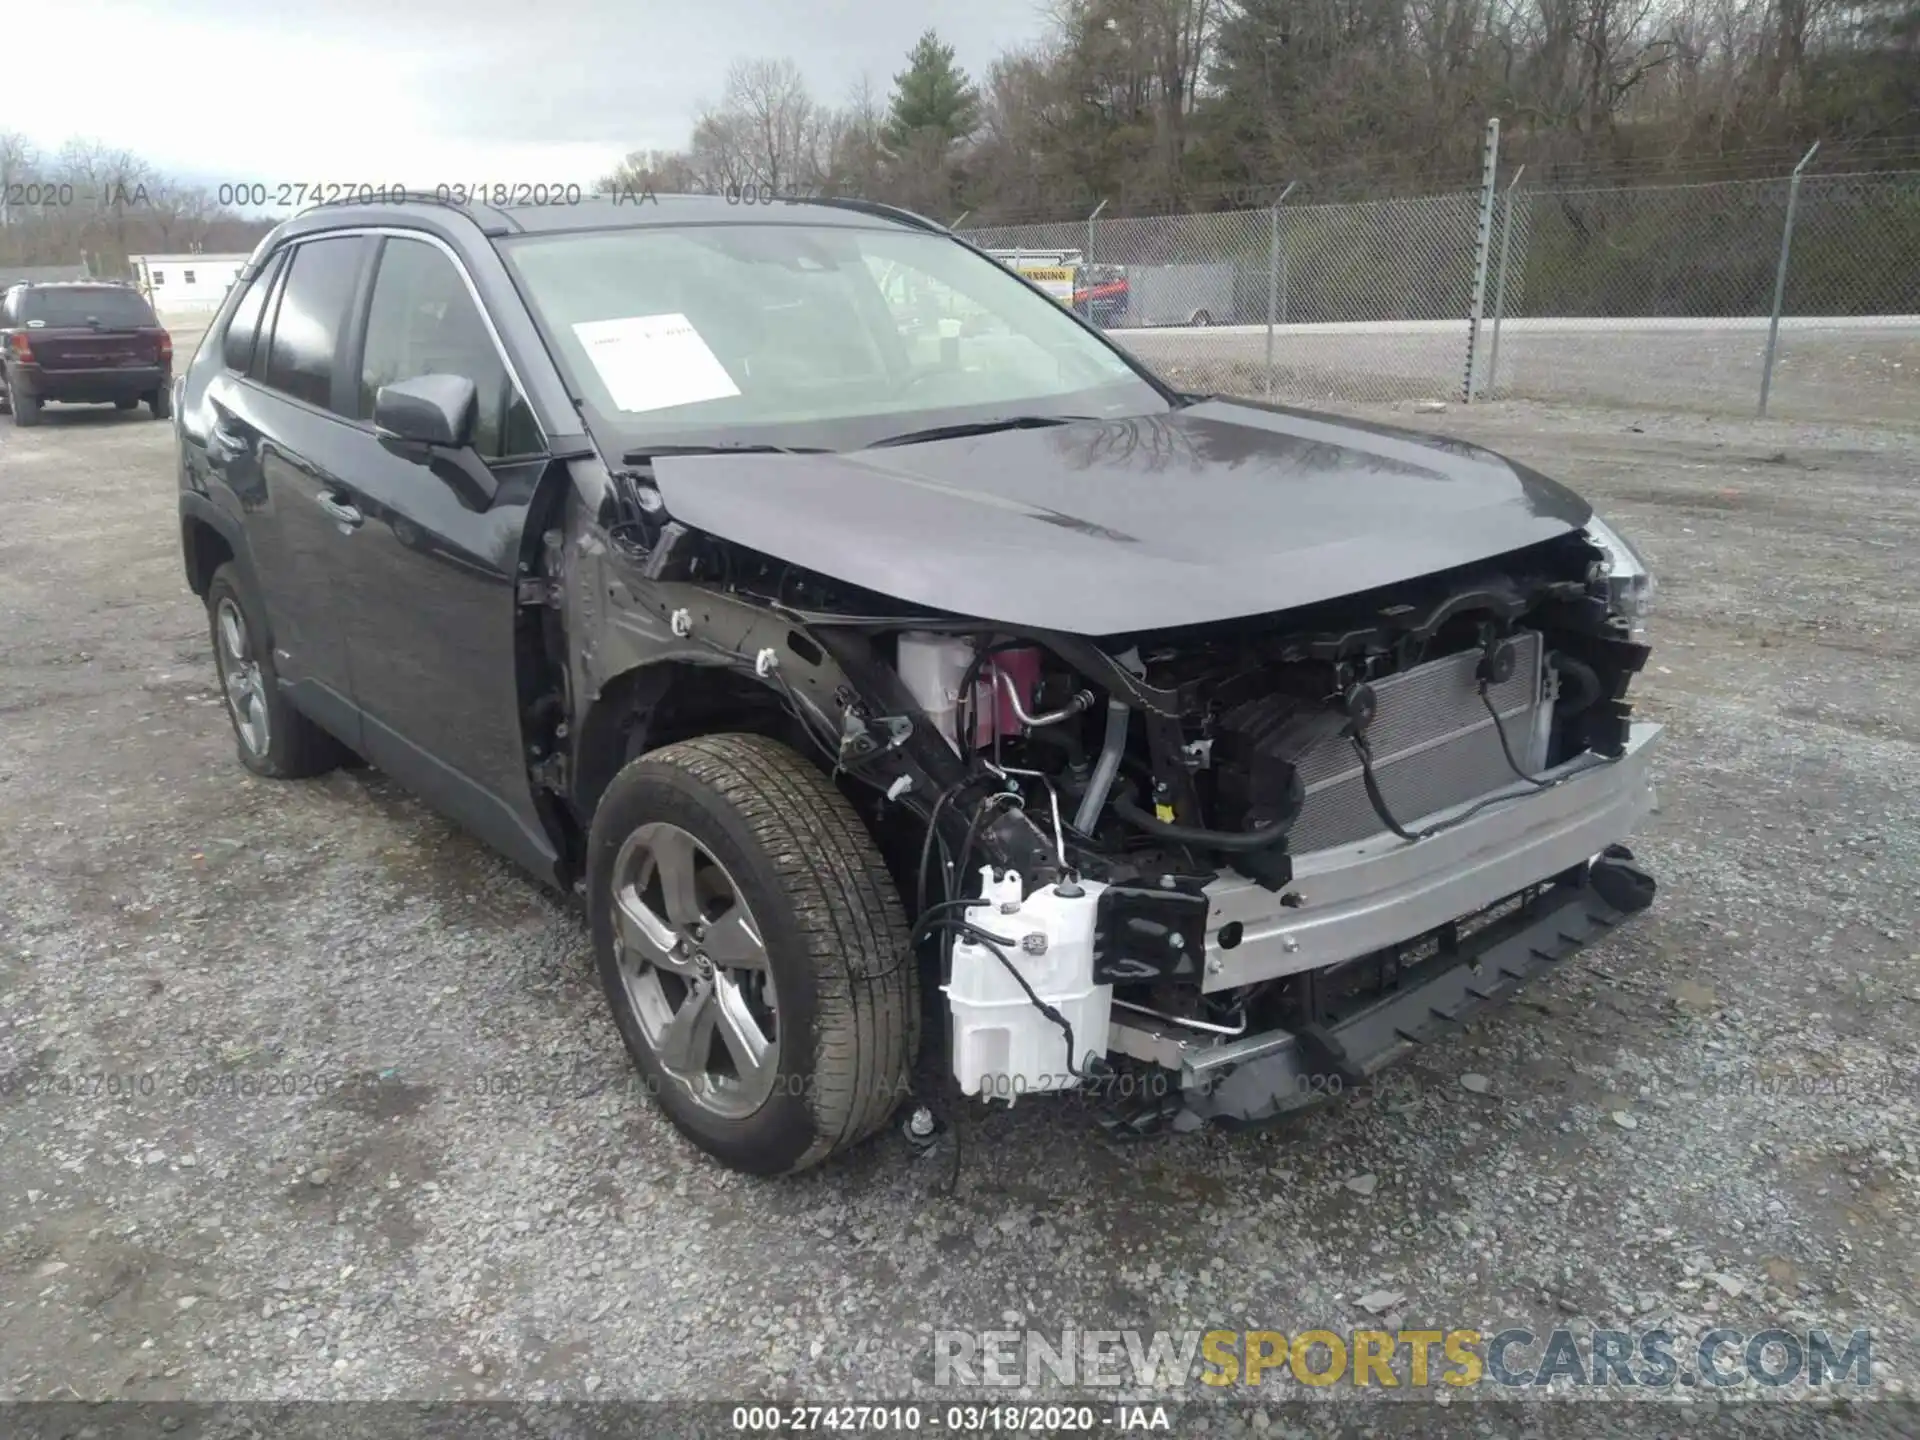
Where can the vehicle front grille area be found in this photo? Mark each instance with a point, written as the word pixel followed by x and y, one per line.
pixel 1434 746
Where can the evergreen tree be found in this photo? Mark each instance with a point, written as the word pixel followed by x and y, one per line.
pixel 932 99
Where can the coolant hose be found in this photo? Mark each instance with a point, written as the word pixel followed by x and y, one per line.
pixel 1236 840
pixel 1105 768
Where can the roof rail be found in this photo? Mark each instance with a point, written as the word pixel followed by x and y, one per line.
pixel 386 195
pixel 868 207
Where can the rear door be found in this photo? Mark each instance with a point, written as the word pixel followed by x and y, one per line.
pixel 431 602
pixel 90 327
pixel 278 434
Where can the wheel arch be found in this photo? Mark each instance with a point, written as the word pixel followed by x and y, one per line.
pixel 208 541
pixel 205 550
pixel 656 704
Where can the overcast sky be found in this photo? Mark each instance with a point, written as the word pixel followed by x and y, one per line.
pixel 424 92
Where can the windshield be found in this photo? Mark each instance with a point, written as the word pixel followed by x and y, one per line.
pixel 808 336
pixel 78 305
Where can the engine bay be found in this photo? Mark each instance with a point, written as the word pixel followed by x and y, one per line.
pixel 1178 758
pixel 1061 811
pixel 1198 752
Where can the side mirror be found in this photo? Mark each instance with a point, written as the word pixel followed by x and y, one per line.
pixel 428 410
pixel 430 421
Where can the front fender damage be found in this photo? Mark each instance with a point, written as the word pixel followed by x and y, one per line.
pixel 643 616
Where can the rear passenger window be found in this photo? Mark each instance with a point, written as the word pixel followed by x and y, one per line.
pixel 237 348
pixel 313 312
pixel 423 321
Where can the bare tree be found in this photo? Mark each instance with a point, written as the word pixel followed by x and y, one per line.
pixel 19 163
pixel 852 157
pixel 658 172
pixel 719 152
pixel 1179 32
pixel 772 121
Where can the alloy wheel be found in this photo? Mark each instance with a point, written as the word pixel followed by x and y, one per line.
pixel 695 970
pixel 241 678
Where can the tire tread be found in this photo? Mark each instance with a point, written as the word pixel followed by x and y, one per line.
pixel 847 909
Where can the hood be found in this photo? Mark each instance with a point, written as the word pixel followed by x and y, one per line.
pixel 1208 513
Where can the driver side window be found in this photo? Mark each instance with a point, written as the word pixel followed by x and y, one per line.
pixel 423 321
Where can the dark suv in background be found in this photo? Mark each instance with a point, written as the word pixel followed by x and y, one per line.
pixel 91 342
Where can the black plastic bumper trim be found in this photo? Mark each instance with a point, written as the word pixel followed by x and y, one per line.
pixel 1495 963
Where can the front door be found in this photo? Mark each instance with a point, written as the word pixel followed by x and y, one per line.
pixel 432 613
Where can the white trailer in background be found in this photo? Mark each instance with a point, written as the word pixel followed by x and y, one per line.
pixel 1179 295
pixel 185 283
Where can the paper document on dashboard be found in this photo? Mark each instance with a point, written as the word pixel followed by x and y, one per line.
pixel 654 362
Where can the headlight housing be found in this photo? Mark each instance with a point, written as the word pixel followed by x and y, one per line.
pixel 1629 583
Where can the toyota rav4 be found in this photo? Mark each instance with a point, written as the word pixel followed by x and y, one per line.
pixel 876 679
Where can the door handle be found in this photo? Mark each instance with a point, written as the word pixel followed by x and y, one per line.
pixel 346 514
pixel 224 443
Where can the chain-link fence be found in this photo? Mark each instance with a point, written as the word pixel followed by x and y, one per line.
pixel 1363 302
pixel 1648 295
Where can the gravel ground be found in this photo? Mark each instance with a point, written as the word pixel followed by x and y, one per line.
pixel 499 1213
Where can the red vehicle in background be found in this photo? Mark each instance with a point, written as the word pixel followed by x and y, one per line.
pixel 1100 294
pixel 95 342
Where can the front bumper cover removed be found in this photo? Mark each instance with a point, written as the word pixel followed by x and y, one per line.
pixel 1260 1077
pixel 1360 898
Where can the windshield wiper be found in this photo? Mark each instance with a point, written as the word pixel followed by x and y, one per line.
pixel 976 427
pixel 723 447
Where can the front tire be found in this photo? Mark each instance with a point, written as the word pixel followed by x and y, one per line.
pixel 273 738
pixel 754 951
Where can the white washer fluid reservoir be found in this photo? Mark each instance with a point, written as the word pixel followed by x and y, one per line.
pixel 1003 1046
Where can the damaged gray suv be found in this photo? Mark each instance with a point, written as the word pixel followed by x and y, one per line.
pixel 895 666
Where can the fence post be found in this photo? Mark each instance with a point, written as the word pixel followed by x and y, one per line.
pixel 1482 245
pixel 1285 289
pixel 1273 275
pixel 1500 282
pixel 1089 265
pixel 1780 280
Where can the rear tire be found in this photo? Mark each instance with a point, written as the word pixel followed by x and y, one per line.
pixel 126 404
pixel 26 410
pixel 160 402
pixel 273 738
pixel 827 979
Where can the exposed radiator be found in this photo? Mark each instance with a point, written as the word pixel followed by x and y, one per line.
pixel 1434 746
